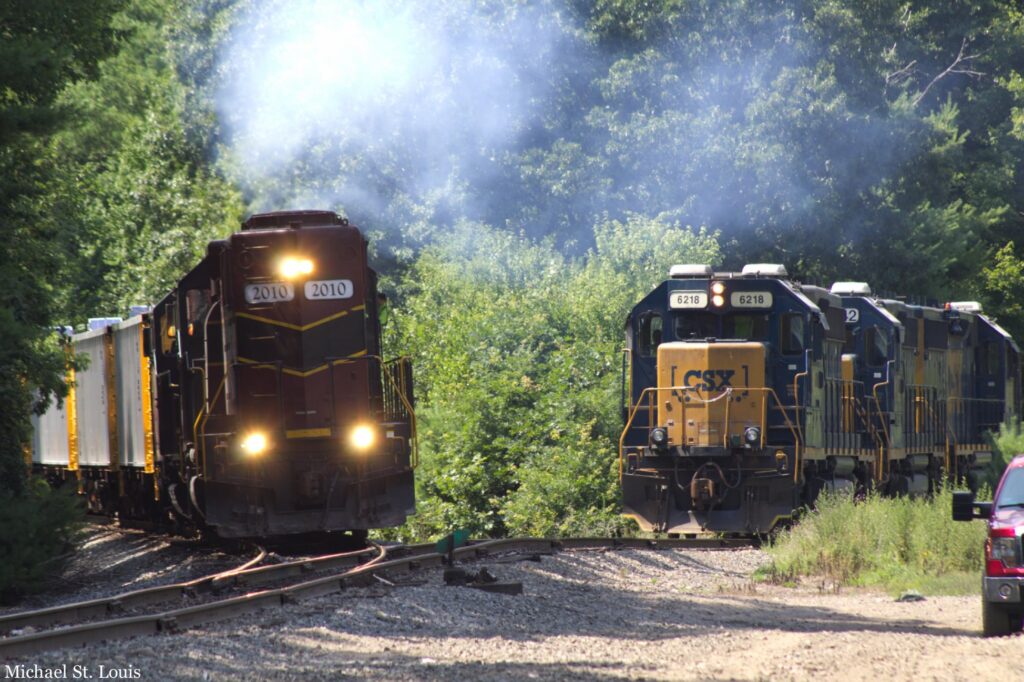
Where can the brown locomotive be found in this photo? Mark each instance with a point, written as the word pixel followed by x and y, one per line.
pixel 252 400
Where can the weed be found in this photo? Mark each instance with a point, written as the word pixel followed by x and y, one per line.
pixel 895 543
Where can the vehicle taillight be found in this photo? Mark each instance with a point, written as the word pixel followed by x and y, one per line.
pixel 1002 551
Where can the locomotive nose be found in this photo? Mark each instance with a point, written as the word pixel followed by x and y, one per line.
pixel 712 395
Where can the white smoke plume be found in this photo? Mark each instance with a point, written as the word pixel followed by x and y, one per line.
pixel 363 105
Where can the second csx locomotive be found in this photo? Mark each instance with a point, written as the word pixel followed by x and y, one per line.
pixel 251 401
pixel 747 394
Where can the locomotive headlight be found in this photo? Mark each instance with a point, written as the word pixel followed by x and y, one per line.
pixel 363 437
pixel 659 437
pixel 295 267
pixel 718 288
pixel 254 443
pixel 718 300
pixel 752 435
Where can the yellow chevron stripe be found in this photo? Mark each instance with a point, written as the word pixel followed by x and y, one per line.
pixel 307 433
pixel 300 328
pixel 256 364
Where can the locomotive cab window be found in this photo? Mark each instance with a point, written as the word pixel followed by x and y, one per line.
pixel 989 352
pixel 696 325
pixel 792 330
pixel 168 333
pixel 650 334
pixel 197 302
pixel 745 326
pixel 850 342
pixel 876 346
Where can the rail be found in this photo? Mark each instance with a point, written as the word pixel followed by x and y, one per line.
pixel 360 569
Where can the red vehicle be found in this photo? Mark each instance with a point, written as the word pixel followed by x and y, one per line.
pixel 1002 605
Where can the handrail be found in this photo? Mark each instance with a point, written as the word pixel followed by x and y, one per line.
pixel 626 392
pixel 945 426
pixel 878 403
pixel 206 350
pixel 796 388
pixel 201 438
pixel 414 454
pixel 654 390
pixel 884 420
pixel 859 410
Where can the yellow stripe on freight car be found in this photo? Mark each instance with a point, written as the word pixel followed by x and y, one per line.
pixel 147 404
pixel 72 412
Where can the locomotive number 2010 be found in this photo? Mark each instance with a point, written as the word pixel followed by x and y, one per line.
pixel 271 292
pixel 329 288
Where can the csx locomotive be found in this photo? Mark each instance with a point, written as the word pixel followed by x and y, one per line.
pixel 252 401
pixel 747 394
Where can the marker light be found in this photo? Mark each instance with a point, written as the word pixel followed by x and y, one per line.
pixel 296 267
pixel 254 443
pixel 718 288
pixel 718 300
pixel 362 437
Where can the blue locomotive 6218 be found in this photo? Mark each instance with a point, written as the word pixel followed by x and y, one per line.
pixel 747 394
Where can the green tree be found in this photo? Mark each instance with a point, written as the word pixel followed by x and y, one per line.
pixel 43 46
pixel 133 195
pixel 517 353
pixel 1002 288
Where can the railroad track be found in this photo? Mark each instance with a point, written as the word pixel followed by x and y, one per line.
pixel 105 618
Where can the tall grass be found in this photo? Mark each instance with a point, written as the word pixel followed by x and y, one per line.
pixel 1009 441
pixel 895 543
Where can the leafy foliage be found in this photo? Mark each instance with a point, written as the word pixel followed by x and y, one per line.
pixel 44 46
pixel 517 354
pixel 37 530
pixel 102 193
pixel 522 169
pixel 132 196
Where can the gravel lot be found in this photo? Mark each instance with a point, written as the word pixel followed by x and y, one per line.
pixel 583 615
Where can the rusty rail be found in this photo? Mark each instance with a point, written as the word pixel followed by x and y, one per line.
pixel 363 569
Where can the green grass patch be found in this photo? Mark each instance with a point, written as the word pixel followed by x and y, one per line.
pixel 894 543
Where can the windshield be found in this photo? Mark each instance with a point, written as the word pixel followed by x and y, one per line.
pixel 1012 492
pixel 750 327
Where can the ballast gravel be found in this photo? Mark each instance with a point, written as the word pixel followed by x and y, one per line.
pixel 111 560
pixel 669 614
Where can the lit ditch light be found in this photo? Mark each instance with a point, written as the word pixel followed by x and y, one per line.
pixel 254 444
pixel 363 437
pixel 291 268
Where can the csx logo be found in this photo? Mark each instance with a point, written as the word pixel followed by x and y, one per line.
pixel 709 379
